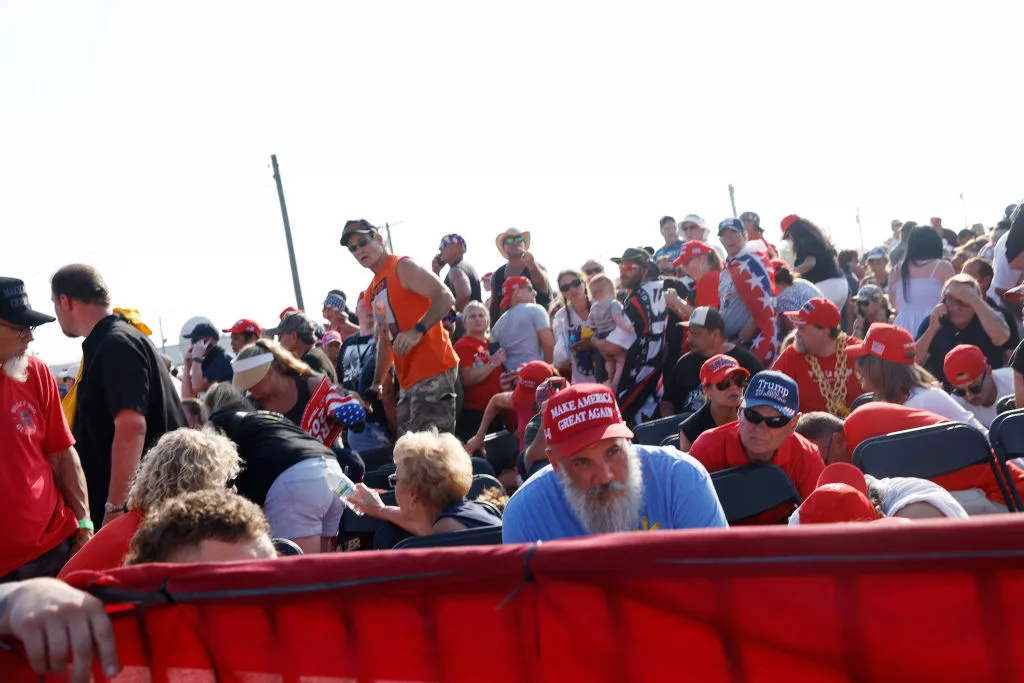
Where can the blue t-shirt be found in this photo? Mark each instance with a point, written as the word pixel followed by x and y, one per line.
pixel 671 252
pixel 678 494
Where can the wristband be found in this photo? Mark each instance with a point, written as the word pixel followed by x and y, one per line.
pixel 86 524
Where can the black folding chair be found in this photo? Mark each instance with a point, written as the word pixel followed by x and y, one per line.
pixel 378 457
pixel 1006 404
pixel 928 452
pixel 1007 438
pixel 482 482
pixel 654 432
pixel 487 535
pixel 861 400
pixel 753 489
pixel 502 450
pixel 378 479
pixel 672 441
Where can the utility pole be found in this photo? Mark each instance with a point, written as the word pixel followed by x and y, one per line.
pixel 387 229
pixel 732 200
pixel 963 203
pixel 288 234
pixel 163 339
pixel 860 229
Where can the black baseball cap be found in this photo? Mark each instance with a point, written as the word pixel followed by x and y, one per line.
pixel 14 305
pixel 203 331
pixel 352 227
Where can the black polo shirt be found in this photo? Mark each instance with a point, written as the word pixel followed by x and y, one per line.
pixel 120 371
pixel 948 336
pixel 216 366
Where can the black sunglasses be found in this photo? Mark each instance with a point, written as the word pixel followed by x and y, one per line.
pixel 363 241
pixel 736 380
pixel 593 271
pixel 756 418
pixel 565 288
pixel 974 389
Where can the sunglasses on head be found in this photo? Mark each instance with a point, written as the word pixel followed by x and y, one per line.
pixel 565 288
pixel 974 389
pixel 756 418
pixel 363 241
pixel 736 380
pixel 593 271
pixel 513 240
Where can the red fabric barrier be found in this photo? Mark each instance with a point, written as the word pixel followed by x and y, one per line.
pixel 932 601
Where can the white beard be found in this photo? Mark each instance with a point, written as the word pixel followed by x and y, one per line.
pixel 17 368
pixel 618 513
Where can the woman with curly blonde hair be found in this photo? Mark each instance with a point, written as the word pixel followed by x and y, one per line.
pixel 181 461
pixel 431 481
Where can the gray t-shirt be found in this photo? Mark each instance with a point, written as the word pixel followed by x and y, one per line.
pixel 516 333
pixel 734 311
pixel 602 315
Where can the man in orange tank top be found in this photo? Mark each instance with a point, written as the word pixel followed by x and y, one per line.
pixel 408 302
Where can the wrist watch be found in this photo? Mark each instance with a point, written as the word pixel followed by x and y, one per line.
pixel 110 508
pixel 420 327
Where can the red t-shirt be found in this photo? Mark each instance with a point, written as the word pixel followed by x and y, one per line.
pixel 473 353
pixel 108 548
pixel 793 363
pixel 706 290
pixel 877 418
pixel 32 427
pixel 720 448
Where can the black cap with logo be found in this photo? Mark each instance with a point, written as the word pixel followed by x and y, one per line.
pixel 14 306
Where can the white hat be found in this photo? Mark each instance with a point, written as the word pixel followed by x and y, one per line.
pixel 693 218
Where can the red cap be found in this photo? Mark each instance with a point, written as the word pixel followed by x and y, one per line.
pixel 530 375
pixel 717 368
pixel 832 503
pixel 788 221
pixel 818 311
pixel 691 250
pixel 245 325
pixel 887 342
pixel 509 287
pixel 843 473
pixel 290 309
pixel 964 364
pixel 581 415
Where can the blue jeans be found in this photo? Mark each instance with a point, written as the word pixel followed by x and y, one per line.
pixel 373 436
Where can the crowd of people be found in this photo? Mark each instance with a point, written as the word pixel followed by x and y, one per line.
pixel 789 355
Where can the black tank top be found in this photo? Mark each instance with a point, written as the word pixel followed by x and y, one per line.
pixel 471 513
pixel 302 386
pixel 474 281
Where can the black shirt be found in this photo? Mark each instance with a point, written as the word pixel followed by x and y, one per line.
pixel 825 266
pixel 474 280
pixel 698 423
pixel 683 389
pixel 470 513
pixel 120 371
pixel 216 366
pixel 498 279
pixel 320 363
pixel 674 336
pixel 269 444
pixel 948 336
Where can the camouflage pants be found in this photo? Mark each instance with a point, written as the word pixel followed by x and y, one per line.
pixel 429 403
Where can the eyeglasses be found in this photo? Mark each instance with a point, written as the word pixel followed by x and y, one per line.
pixel 592 271
pixel 393 479
pixel 363 241
pixel 863 304
pixel 565 288
pixel 513 240
pixel 974 389
pixel 628 267
pixel 689 227
pixel 24 333
pixel 756 418
pixel 736 380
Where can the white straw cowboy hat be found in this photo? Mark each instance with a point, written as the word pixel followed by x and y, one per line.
pixel 512 232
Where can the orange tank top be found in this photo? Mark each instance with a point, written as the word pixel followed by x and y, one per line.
pixel 397 309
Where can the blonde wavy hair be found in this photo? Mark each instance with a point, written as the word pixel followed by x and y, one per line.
pixel 182 461
pixel 435 466
pixel 284 362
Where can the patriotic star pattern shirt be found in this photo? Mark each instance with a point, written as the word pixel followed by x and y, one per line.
pixel 747 291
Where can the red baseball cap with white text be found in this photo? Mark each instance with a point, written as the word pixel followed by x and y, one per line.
pixel 581 415
pixel 245 326
pixel 818 311
pixel 689 251
pixel 717 368
pixel 887 342
pixel 964 364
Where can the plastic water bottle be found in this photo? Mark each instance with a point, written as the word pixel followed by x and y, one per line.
pixel 343 488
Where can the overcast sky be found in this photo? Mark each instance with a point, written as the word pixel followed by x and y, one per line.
pixel 137 137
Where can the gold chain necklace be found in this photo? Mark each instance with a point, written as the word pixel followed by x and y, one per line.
pixel 833 392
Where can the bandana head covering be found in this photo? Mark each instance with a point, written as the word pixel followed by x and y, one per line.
pixel 452 239
pixel 335 301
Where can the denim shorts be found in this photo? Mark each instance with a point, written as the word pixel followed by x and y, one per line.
pixel 300 502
